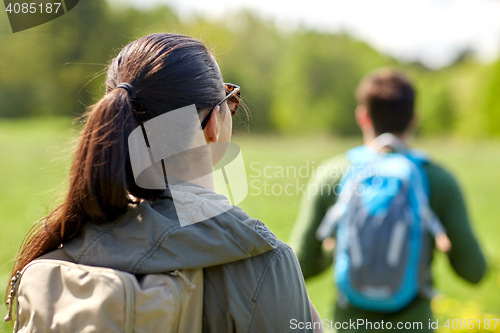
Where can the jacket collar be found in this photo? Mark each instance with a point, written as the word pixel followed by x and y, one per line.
pixel 149 238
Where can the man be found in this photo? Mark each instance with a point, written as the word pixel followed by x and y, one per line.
pixel 386 105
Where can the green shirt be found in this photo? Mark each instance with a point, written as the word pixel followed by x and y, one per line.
pixel 446 201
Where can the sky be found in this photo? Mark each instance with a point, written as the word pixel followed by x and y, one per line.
pixel 431 31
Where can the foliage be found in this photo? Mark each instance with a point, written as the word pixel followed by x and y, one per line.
pixel 317 79
pixel 492 101
pixel 293 81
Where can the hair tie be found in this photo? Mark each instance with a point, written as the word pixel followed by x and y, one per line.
pixel 139 109
pixel 128 87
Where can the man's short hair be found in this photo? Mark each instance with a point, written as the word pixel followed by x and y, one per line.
pixel 389 97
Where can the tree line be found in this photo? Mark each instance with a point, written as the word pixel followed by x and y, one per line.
pixel 292 81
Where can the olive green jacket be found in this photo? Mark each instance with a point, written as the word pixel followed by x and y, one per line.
pixel 252 280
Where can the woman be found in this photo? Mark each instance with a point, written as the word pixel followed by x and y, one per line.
pixel 252 281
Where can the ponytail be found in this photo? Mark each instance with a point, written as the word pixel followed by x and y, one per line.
pixel 99 179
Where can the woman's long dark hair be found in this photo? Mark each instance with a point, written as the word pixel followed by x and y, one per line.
pixel 168 71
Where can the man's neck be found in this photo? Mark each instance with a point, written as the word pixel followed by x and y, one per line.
pixel 369 139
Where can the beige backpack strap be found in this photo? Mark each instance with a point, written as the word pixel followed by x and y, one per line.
pixel 190 319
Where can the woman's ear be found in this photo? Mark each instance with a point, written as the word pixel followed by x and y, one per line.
pixel 212 128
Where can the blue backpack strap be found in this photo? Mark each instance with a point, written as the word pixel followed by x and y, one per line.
pixel 419 158
pixel 329 224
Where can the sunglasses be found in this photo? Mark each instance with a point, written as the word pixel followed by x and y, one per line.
pixel 232 98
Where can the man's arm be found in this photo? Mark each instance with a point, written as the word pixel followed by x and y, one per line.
pixel 312 257
pixel 447 202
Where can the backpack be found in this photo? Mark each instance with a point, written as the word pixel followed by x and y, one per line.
pixel 54 295
pixel 383 222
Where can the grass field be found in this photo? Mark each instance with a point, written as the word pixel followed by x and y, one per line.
pixel 35 155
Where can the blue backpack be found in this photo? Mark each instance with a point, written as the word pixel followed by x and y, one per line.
pixel 382 222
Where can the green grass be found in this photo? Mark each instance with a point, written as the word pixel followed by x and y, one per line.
pixel 33 162
pixel 35 155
